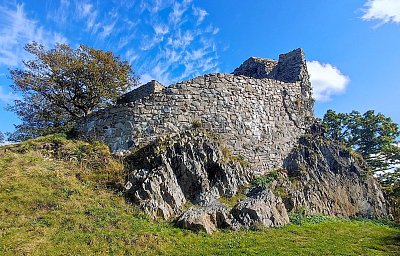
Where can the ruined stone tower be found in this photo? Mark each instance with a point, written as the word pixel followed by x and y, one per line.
pixel 259 111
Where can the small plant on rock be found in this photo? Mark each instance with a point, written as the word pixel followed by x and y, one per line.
pixel 264 181
pixel 197 124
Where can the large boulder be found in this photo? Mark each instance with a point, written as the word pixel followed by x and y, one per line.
pixel 261 207
pixel 188 168
pixel 209 218
pixel 327 178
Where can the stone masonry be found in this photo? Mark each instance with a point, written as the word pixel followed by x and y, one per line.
pixel 259 111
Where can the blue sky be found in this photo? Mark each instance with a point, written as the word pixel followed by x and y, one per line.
pixel 352 47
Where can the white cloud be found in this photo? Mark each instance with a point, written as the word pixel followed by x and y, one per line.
pixel 178 9
pixel 7 97
pixel 88 12
pixel 16 29
pixel 148 42
pixel 167 40
pixel 160 29
pixel 384 10
pixel 107 30
pixel 326 80
pixel 200 14
pixel 131 56
pixel 153 6
pixel 60 14
pixel 156 74
pixel 172 52
pixel 84 9
pixel 145 78
pixel 181 39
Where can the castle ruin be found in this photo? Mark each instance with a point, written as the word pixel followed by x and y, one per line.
pixel 259 111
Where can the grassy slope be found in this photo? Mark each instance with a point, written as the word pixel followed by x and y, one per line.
pixel 50 207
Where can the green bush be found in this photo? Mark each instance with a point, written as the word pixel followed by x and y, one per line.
pixel 301 217
pixel 264 181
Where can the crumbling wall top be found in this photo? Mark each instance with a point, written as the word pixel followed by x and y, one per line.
pixel 290 67
pixel 256 67
pixel 145 90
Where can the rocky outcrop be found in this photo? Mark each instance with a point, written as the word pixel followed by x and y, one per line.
pixel 260 207
pixel 193 168
pixel 327 178
pixel 188 168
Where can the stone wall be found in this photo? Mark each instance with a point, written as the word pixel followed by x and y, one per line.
pixel 257 118
pixel 143 91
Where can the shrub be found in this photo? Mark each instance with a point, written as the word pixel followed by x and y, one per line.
pixel 301 217
pixel 264 181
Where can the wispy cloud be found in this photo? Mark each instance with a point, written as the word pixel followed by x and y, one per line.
pixel 153 6
pixel 168 40
pixel 326 80
pixel 7 97
pixel 200 14
pixel 107 30
pixel 60 14
pixel 180 39
pixel 385 11
pixel 211 29
pixel 178 9
pixel 182 46
pixel 16 29
pixel 131 56
pixel 161 29
pixel 88 12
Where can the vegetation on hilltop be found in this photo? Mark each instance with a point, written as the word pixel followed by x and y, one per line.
pixel 57 198
pixel 62 85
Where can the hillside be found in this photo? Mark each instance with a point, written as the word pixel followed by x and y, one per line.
pixel 60 197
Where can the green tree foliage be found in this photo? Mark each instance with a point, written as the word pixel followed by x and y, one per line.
pixel 390 181
pixel 1 137
pixel 61 85
pixel 373 136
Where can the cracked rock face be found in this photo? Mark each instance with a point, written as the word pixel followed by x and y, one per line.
pixel 327 179
pixel 167 174
pixel 260 207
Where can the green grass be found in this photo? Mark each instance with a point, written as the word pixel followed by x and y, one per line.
pixel 232 201
pixel 53 206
